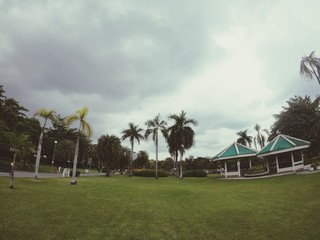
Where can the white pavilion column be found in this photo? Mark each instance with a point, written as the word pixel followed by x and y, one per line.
pixel 238 164
pixel 268 170
pixel 277 163
pixel 225 169
pixel 292 161
pixel 302 158
pixel 250 163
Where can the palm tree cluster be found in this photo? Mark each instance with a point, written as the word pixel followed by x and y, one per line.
pixel 259 140
pixel 179 137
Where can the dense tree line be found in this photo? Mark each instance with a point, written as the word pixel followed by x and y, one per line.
pixel 301 118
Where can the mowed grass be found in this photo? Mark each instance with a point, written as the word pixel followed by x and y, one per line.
pixel 120 207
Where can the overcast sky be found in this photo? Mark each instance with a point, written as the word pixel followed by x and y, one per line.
pixel 228 64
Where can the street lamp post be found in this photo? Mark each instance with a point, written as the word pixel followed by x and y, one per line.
pixel 12 167
pixel 54 150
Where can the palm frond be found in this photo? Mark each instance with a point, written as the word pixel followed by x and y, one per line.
pixel 71 119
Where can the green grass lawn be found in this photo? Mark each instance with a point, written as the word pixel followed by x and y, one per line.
pixel 120 207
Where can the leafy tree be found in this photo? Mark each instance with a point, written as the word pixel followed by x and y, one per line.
pixel 301 119
pixel 310 66
pixel 142 160
pixel 166 165
pixel 153 127
pixel 244 139
pixel 181 135
pixel 19 145
pixel 93 155
pixel 109 151
pixel 13 119
pixel 47 115
pixel 85 128
pixel 133 133
pixel 64 152
pixel 12 114
pixel 260 139
pixel 124 159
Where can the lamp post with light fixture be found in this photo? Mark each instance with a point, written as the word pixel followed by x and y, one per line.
pixel 54 150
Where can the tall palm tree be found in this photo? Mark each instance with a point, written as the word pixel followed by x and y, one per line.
pixel 84 127
pixel 153 128
pixel 47 115
pixel 18 144
pixel 310 66
pixel 133 133
pixel 244 139
pixel 260 139
pixel 173 149
pixel 109 151
pixel 181 135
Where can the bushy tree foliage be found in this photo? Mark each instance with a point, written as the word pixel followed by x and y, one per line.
pixel 142 160
pixel 301 119
pixel 13 119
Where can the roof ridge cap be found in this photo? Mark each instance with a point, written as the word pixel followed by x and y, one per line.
pixel 275 141
pixel 236 147
pixel 287 138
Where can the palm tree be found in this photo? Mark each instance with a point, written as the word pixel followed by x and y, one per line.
pixel 47 115
pixel 181 135
pixel 18 144
pixel 153 128
pixel 260 138
pixel 109 151
pixel 85 128
pixel 174 151
pixel 133 133
pixel 244 139
pixel 310 66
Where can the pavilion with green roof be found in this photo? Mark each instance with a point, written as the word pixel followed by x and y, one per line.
pixel 235 153
pixel 284 153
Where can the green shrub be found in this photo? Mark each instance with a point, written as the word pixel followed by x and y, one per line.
pixel 77 173
pixel 256 169
pixel 148 173
pixel 195 173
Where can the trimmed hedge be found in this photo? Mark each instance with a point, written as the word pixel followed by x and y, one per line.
pixel 148 173
pixel 195 173
pixel 256 169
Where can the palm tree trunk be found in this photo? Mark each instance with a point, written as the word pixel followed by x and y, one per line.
pixel 74 180
pixel 131 161
pixel 38 156
pixel 157 157
pixel 181 174
pixel 177 166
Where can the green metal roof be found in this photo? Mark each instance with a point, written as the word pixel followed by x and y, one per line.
pixel 283 143
pixel 234 151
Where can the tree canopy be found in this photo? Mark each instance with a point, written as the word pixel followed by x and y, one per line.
pixel 301 119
